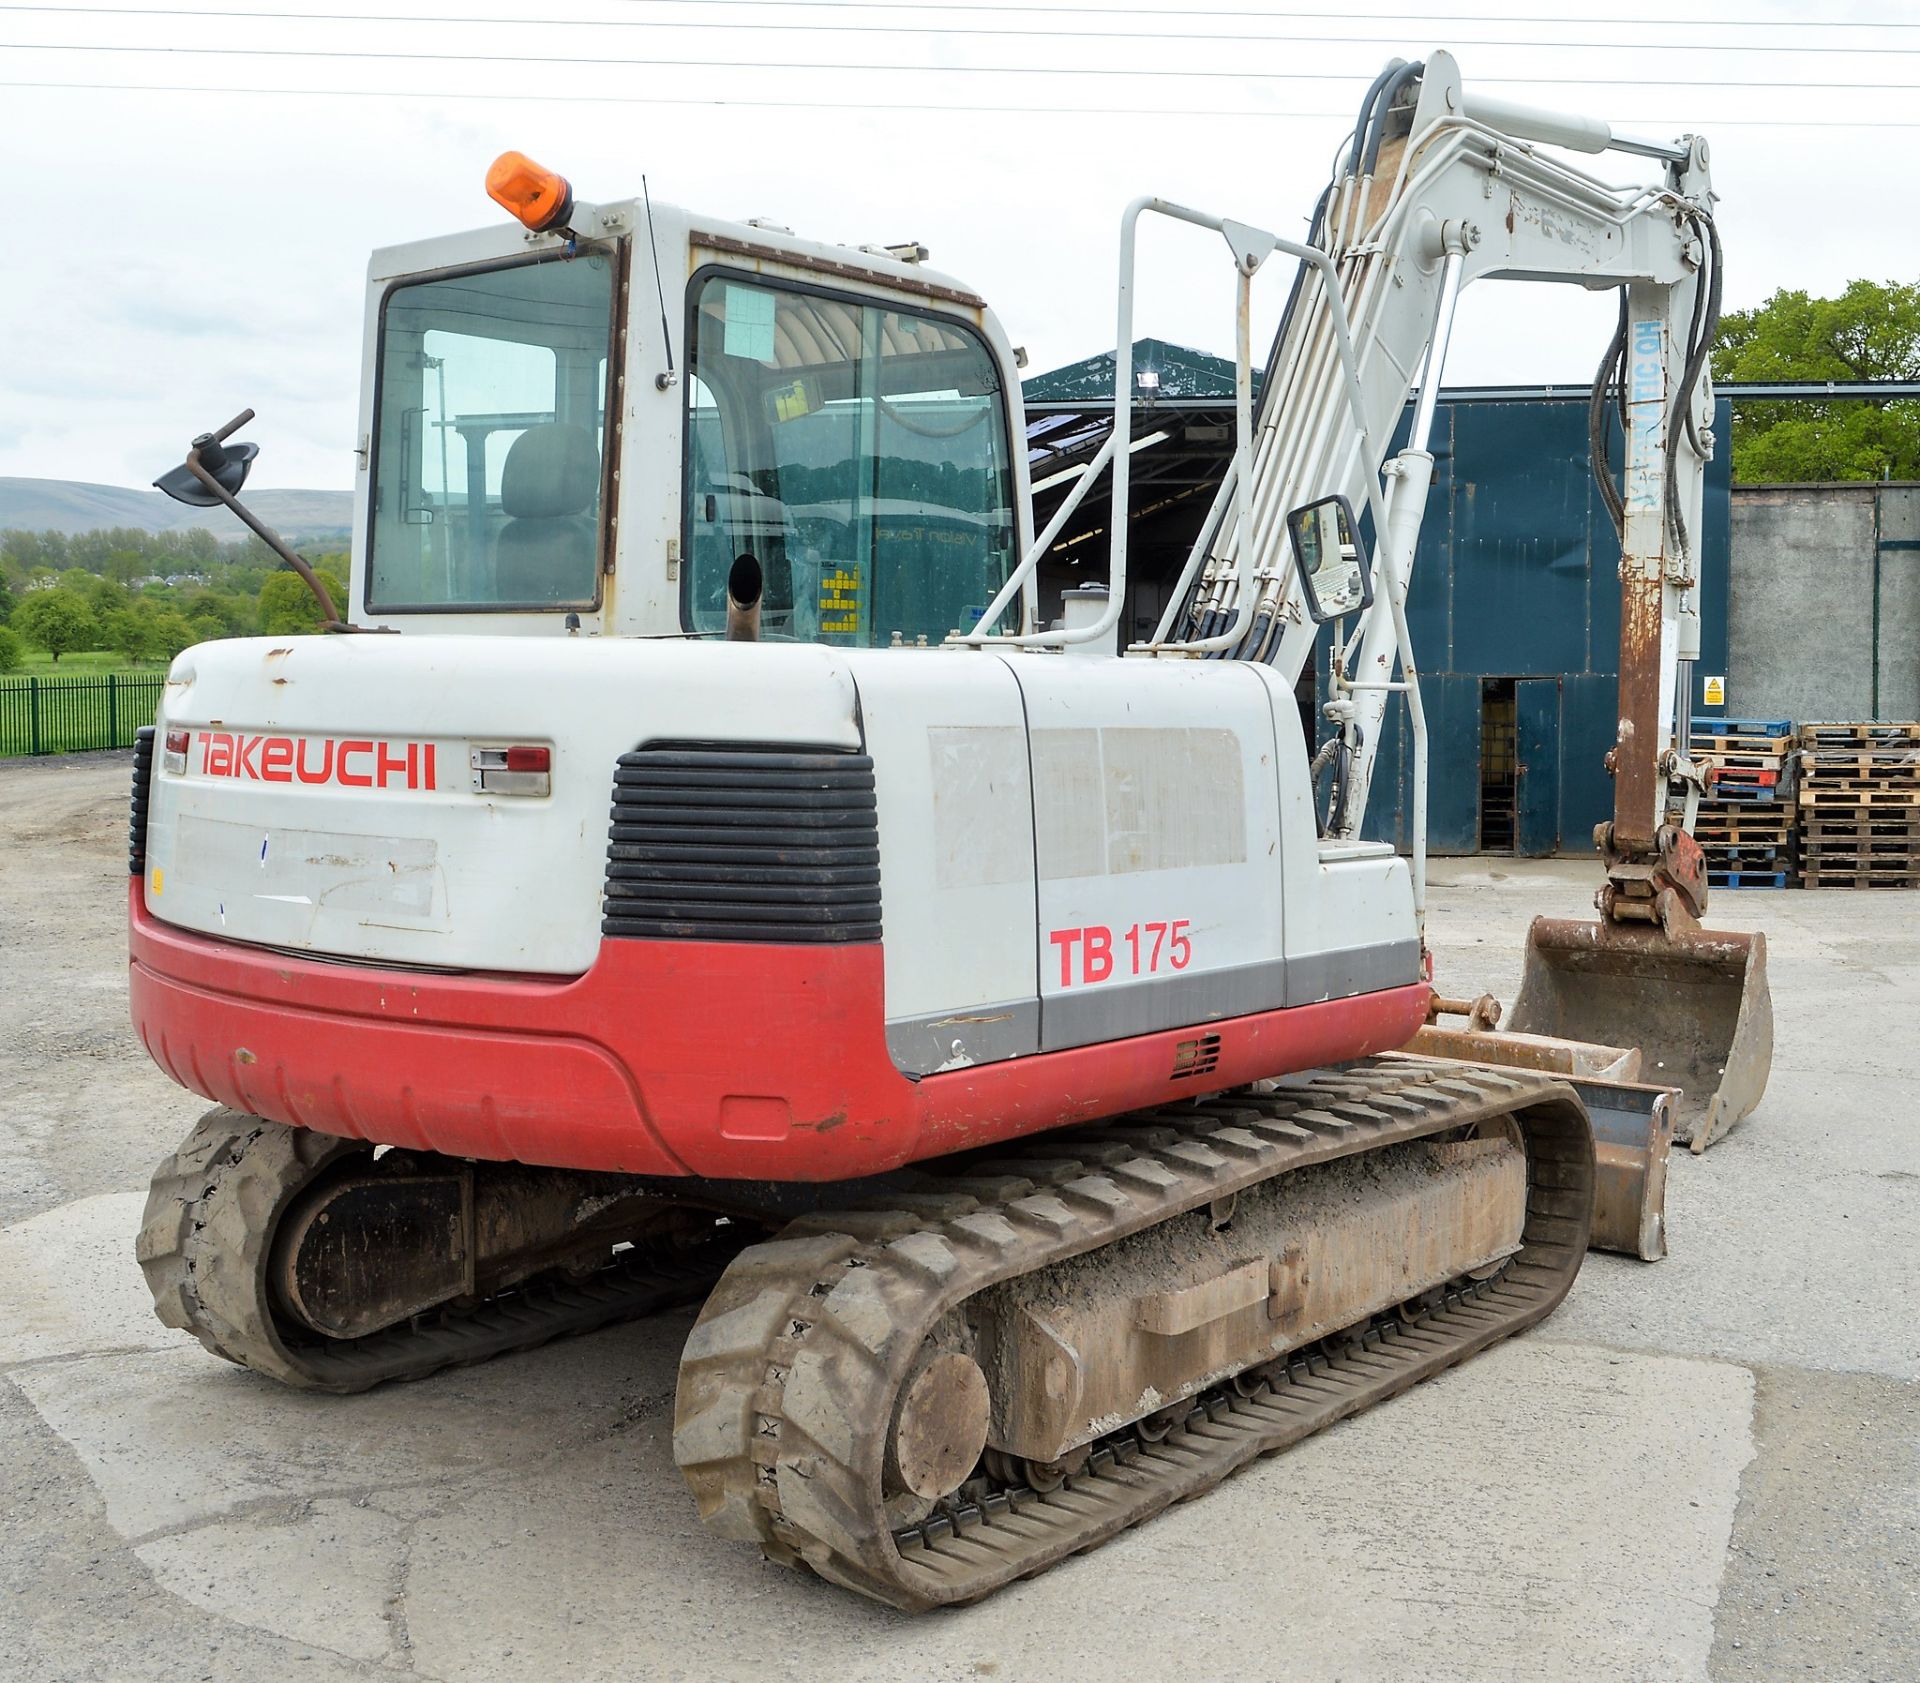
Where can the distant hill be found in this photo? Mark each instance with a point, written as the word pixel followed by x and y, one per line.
pixel 70 505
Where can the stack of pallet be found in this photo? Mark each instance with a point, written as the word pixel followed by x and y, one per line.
pixel 1745 826
pixel 1860 805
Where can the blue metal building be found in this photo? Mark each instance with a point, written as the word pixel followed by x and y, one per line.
pixel 1515 616
pixel 1515 603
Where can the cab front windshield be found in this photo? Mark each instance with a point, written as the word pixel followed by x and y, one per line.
pixel 857 453
pixel 488 436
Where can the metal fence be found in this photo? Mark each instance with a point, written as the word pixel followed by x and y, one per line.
pixel 70 715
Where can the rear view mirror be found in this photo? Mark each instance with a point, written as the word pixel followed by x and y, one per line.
pixel 228 463
pixel 1326 550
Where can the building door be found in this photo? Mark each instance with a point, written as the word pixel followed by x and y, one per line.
pixel 1496 765
pixel 1536 782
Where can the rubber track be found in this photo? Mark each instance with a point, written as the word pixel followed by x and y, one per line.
pixel 788 1383
pixel 208 1229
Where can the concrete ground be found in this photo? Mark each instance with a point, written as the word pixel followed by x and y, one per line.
pixel 1707 1467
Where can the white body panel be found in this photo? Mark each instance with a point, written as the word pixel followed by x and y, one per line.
pixel 954 791
pixel 1171 815
pixel 1158 845
pixel 444 877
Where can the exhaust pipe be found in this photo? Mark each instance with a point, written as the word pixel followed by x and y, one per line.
pixel 745 586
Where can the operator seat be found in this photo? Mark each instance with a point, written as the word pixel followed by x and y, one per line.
pixel 549 549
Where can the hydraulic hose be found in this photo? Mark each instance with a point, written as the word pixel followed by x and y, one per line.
pixel 1608 373
pixel 1400 78
pixel 1701 331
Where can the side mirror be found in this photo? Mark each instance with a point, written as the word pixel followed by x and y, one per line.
pixel 213 471
pixel 228 463
pixel 1326 550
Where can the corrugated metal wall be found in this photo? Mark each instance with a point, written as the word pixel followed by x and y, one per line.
pixel 1518 578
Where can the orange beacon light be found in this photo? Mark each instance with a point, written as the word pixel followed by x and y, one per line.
pixel 535 196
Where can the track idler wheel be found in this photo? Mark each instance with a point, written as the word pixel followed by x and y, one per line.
pixel 939 1426
pixel 212 1212
pixel 302 1256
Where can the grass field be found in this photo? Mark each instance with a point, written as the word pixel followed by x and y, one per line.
pixel 39 664
pixel 75 710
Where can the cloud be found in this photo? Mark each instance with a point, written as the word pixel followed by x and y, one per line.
pixel 176 257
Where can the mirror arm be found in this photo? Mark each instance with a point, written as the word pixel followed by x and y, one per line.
pixel 330 616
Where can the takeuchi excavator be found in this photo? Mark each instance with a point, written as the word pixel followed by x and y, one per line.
pixel 689 871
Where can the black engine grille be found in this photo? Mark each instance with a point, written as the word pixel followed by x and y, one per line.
pixel 142 789
pixel 749 843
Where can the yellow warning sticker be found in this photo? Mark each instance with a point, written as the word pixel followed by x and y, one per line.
pixel 159 881
pixel 840 601
pixel 1714 693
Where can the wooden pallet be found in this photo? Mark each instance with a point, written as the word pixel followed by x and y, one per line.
pixel 1869 733
pixel 1860 762
pixel 1735 743
pixel 1838 873
pixel 1738 759
pixel 1721 808
pixel 1895 824
pixel 1739 736
pixel 1748 862
pixel 1815 875
pixel 1744 824
pixel 1743 778
pixel 1857 795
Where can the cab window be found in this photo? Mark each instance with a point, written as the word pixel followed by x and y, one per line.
pixel 488 438
pixel 858 453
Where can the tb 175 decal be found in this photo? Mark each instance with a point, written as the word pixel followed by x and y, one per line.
pixel 1093 953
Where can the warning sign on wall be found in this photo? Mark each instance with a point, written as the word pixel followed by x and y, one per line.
pixel 1713 693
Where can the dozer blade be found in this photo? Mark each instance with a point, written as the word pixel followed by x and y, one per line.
pixel 1695 1004
pixel 1632 1124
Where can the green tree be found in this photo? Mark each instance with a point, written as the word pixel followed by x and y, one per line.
pixel 169 633
pixel 56 620
pixel 129 632
pixel 104 597
pixel 123 566
pixel 1870 332
pixel 228 613
pixel 287 606
pixel 13 654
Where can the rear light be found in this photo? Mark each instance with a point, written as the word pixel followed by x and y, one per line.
pixel 512 771
pixel 173 757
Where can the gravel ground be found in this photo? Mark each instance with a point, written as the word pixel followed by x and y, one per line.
pixel 1703 1468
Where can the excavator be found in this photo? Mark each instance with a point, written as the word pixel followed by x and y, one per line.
pixel 689 871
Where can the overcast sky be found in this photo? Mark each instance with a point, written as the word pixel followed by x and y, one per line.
pixel 183 246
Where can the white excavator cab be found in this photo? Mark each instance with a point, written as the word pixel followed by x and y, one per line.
pixel 581 429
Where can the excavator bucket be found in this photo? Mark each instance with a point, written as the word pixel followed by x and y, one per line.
pixel 1695 1004
pixel 1632 1124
